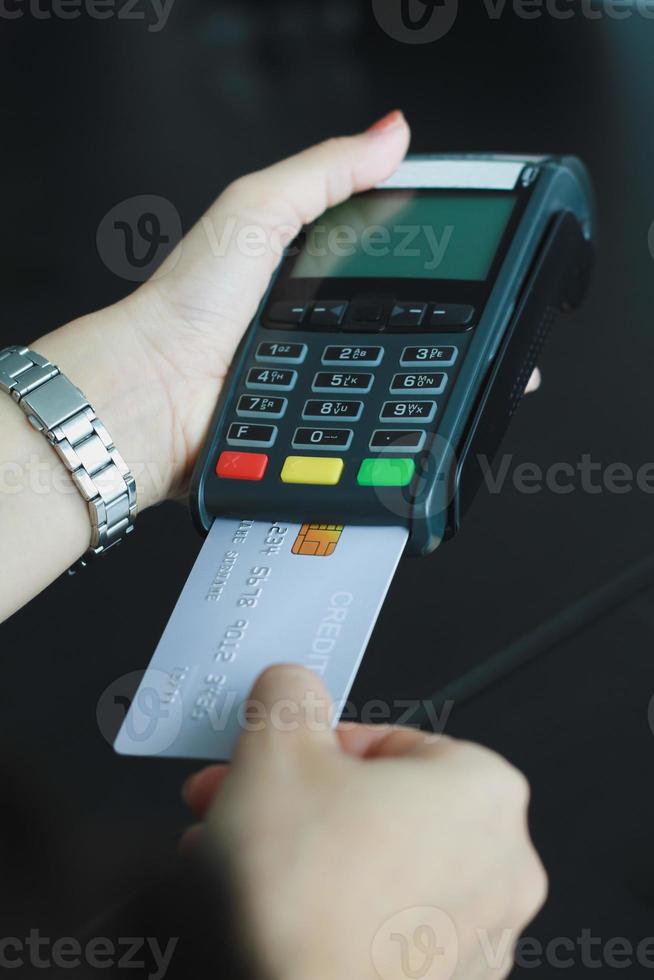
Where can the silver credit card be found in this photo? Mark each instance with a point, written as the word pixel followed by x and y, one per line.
pixel 259 593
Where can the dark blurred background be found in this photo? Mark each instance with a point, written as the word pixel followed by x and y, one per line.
pixel 97 111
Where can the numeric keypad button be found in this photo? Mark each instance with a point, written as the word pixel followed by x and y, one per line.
pixel 418 411
pixel 260 407
pixel 419 356
pixel 327 381
pixel 270 379
pixel 366 356
pixel 305 438
pixel 316 410
pixel 429 383
pixel 281 353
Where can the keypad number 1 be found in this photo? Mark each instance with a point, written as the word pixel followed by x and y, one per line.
pixel 281 353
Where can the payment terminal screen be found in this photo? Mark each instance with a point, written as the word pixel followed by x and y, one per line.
pixel 407 234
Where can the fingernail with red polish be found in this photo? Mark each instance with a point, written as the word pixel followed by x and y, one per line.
pixel 389 121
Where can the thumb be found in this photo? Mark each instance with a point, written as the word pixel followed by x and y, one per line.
pixel 290 708
pixel 299 188
pixel 246 230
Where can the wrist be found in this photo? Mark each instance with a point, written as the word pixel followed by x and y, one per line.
pixel 101 354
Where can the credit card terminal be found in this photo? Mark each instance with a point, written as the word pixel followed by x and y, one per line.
pixel 394 345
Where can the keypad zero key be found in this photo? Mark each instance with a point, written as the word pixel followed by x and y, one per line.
pixel 306 438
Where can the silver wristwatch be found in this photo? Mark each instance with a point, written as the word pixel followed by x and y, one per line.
pixel 55 407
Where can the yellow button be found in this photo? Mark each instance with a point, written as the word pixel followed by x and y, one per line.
pixel 311 469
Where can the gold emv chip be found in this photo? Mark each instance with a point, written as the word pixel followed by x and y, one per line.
pixel 318 540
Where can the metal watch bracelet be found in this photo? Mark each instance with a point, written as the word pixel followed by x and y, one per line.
pixel 55 407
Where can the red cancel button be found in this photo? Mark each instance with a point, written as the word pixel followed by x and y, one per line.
pixel 241 466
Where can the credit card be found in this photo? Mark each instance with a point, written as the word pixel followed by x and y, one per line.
pixel 260 593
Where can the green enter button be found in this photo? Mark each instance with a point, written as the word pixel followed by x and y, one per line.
pixel 385 472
